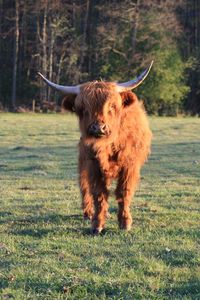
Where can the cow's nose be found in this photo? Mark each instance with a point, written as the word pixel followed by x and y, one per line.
pixel 98 128
pixel 94 127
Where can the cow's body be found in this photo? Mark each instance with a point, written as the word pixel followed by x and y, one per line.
pixel 114 144
pixel 118 155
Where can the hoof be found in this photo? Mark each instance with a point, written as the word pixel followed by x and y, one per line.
pixel 125 222
pixel 125 227
pixel 87 216
pixel 97 231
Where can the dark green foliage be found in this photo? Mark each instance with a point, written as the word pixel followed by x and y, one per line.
pixel 192 102
pixel 165 90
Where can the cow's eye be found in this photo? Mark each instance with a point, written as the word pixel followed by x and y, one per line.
pixel 126 102
pixel 111 108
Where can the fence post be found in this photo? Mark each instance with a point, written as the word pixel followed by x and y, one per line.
pixel 33 106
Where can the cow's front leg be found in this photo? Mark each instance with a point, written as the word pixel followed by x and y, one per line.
pixel 126 186
pixel 87 199
pixel 100 196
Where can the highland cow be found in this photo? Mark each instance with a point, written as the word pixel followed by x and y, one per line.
pixel 114 144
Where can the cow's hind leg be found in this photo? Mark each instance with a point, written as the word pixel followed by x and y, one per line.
pixel 126 186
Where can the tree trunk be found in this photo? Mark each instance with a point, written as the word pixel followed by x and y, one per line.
pixel 44 47
pixel 135 26
pixel 84 37
pixel 39 57
pixel 15 54
pixel 74 14
pixel 59 73
pixel 90 40
pixel 51 50
pixel 22 49
pixel 1 14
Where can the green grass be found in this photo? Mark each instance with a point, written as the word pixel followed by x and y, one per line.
pixel 46 248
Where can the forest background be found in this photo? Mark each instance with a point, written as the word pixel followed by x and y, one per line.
pixel 72 42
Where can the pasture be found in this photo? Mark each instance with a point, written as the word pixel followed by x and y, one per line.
pixel 47 251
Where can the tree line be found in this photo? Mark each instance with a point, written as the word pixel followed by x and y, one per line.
pixel 72 42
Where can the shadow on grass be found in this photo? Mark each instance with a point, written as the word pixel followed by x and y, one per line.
pixel 4 283
pixel 49 219
pixel 39 233
pixel 58 224
pixel 190 233
pixel 53 224
pixel 72 287
pixel 190 288
pixel 5 267
pixel 178 258
pixel 5 214
pixel 38 285
pixel 6 264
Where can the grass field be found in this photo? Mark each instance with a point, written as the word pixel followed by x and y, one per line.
pixel 47 251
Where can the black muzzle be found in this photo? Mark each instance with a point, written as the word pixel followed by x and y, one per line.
pixel 98 129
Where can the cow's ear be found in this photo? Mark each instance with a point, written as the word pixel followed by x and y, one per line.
pixel 69 102
pixel 128 98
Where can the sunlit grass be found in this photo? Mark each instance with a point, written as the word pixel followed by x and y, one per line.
pixel 46 249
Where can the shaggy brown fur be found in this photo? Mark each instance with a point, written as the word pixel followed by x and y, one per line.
pixel 119 154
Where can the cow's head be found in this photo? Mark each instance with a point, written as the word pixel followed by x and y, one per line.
pixel 98 104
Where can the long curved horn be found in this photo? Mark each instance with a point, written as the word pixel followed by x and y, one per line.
pixel 132 84
pixel 61 88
